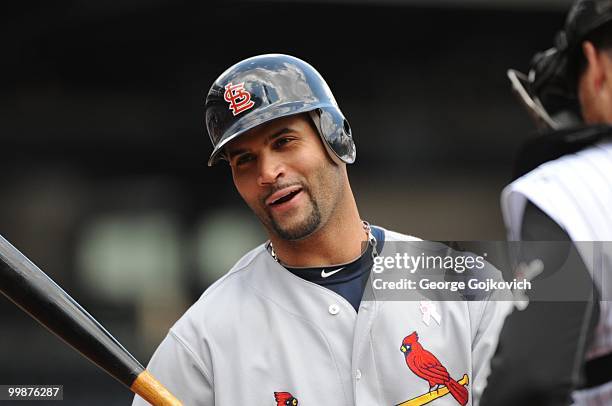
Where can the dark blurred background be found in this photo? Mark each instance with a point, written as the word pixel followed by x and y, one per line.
pixel 103 178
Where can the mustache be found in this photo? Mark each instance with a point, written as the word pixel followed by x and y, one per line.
pixel 278 187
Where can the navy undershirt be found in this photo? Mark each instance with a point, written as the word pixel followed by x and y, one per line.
pixel 350 281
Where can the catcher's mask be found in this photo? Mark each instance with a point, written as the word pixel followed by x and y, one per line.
pixel 548 91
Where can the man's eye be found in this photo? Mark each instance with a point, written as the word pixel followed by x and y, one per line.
pixel 243 159
pixel 282 141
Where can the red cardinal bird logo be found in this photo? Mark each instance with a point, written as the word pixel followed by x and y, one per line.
pixel 426 366
pixel 285 399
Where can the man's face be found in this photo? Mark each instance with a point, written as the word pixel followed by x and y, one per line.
pixel 595 86
pixel 589 105
pixel 283 172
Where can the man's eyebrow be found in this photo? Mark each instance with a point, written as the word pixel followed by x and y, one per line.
pixel 280 132
pixel 231 153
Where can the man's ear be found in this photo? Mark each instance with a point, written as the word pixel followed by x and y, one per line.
pixel 595 71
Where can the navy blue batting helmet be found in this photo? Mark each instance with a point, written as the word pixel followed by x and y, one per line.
pixel 266 87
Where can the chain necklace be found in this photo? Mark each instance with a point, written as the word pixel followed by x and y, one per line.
pixel 366 227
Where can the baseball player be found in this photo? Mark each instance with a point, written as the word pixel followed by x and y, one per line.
pixel 559 352
pixel 287 324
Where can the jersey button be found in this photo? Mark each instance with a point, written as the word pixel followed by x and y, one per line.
pixel 358 374
pixel 334 309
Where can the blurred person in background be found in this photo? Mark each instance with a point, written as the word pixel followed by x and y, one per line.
pixel 559 352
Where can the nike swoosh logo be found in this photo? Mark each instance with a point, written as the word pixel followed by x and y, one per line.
pixel 328 274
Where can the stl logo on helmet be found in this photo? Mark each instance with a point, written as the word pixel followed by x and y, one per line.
pixel 238 98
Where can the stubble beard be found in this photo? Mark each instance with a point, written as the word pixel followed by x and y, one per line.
pixel 301 229
pixel 312 220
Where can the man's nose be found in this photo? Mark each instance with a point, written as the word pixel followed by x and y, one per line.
pixel 270 169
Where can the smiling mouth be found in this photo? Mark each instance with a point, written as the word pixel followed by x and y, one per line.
pixel 283 196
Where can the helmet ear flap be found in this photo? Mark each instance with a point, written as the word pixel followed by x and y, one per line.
pixel 336 134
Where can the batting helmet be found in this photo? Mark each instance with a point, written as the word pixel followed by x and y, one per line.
pixel 266 87
pixel 549 90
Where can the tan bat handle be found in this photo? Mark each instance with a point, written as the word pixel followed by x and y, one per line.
pixel 152 391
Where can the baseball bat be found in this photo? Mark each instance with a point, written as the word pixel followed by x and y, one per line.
pixel 39 296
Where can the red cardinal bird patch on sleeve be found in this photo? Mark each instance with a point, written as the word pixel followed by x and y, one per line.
pixel 285 399
pixel 426 366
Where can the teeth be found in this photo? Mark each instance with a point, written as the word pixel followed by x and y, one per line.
pixel 282 197
pixel 286 197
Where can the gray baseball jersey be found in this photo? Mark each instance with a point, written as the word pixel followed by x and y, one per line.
pixel 263 336
pixel 576 192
